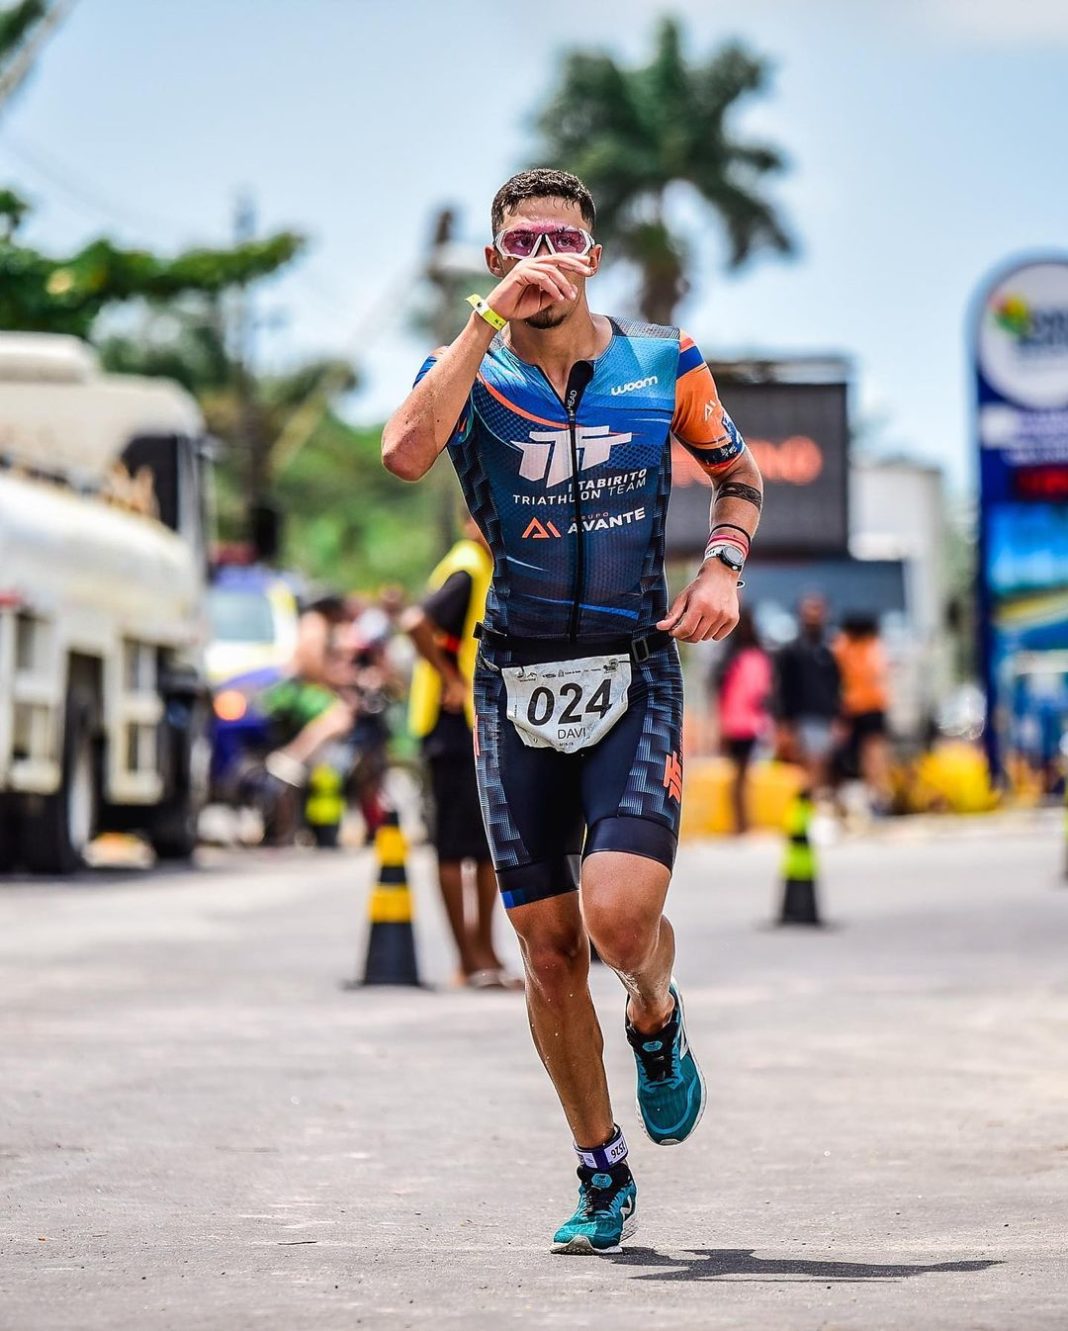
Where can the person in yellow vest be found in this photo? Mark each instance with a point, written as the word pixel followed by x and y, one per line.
pixel 441 715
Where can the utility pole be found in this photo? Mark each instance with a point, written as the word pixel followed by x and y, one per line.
pixel 262 518
pixel 452 269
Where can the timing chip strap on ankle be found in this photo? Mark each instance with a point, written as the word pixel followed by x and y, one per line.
pixel 613 1152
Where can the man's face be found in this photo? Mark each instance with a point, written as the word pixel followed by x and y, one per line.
pixel 545 213
pixel 813 614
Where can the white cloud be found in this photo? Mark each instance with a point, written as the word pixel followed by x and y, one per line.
pixel 1023 22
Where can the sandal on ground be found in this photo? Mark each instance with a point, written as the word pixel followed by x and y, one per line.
pixel 493 977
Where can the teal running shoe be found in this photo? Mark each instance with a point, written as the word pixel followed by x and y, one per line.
pixel 671 1090
pixel 605 1214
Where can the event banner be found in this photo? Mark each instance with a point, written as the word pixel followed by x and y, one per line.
pixel 1021 375
pixel 799 435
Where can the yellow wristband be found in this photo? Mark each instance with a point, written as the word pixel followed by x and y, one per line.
pixel 486 312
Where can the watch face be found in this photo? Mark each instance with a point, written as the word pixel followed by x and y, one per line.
pixel 730 557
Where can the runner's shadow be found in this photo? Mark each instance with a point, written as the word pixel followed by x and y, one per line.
pixel 739 1263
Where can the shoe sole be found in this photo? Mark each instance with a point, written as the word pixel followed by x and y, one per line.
pixel 677 1141
pixel 580 1245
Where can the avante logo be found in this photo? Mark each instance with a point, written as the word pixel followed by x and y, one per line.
pixel 547 453
pixel 539 531
pixel 638 383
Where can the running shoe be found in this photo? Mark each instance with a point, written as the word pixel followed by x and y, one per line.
pixel 605 1214
pixel 671 1090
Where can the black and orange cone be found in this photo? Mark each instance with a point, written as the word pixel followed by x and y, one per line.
pixel 391 940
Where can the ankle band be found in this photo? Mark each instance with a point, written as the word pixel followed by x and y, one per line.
pixel 613 1152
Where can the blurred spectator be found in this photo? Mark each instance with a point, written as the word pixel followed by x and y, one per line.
pixel 375 685
pixel 310 708
pixel 400 652
pixel 442 716
pixel 808 695
pixel 393 601
pixel 743 681
pixel 307 705
pixel 865 696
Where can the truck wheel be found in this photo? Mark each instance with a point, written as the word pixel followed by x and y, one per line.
pixel 173 832
pixel 9 841
pixel 56 829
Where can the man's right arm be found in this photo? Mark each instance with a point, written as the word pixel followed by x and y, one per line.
pixel 425 421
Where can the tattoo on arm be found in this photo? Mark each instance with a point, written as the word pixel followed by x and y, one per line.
pixel 736 490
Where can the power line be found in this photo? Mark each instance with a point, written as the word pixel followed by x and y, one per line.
pixel 49 168
pixel 59 175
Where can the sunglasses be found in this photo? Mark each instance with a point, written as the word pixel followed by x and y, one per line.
pixel 524 241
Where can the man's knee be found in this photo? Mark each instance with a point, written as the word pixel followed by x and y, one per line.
pixel 553 956
pixel 624 944
pixel 622 904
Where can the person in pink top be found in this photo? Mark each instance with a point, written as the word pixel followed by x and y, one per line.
pixel 743 685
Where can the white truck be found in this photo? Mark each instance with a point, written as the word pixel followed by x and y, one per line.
pixel 103 571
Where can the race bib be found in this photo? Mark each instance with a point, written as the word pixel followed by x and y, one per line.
pixel 567 705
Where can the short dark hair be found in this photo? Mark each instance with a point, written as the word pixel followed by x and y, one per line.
pixel 543 182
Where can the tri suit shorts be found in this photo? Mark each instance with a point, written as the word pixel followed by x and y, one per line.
pixel 544 811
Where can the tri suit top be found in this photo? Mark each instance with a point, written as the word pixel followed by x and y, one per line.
pixel 571 494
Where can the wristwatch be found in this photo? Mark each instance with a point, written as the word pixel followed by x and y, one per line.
pixel 729 555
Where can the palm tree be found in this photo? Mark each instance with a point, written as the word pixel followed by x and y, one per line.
pixel 631 134
pixel 24 28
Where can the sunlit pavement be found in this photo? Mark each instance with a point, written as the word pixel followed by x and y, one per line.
pixel 200 1127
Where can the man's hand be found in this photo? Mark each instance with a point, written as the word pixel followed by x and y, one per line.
pixel 453 692
pixel 536 283
pixel 707 608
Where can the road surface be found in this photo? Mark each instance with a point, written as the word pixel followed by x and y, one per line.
pixel 200 1128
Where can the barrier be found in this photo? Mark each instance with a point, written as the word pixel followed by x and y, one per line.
pixel 799 900
pixel 391 955
pixel 324 807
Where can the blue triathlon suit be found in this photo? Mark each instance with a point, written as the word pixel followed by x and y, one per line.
pixel 572 496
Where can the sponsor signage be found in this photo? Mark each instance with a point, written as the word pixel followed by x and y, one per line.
pixel 1020 347
pixel 799 435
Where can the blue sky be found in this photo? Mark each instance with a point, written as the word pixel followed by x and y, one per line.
pixel 926 140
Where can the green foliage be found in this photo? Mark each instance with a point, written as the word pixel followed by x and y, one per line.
pixel 182 341
pixel 632 133
pixel 349 522
pixel 13 208
pixel 39 293
pixel 16 23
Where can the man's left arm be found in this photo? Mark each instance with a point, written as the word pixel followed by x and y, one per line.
pixel 708 606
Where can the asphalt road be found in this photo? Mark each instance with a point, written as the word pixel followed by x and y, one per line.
pixel 200 1128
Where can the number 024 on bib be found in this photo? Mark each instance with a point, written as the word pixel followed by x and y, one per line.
pixel 567 705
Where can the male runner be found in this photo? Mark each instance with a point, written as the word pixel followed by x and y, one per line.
pixel 559 425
